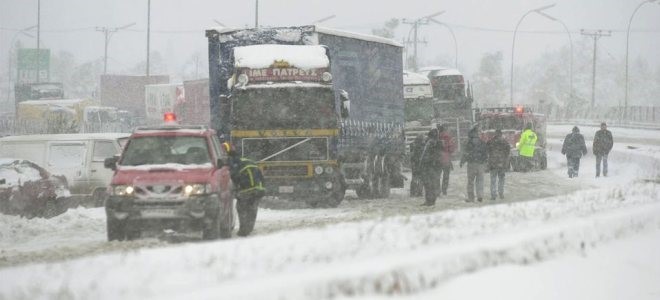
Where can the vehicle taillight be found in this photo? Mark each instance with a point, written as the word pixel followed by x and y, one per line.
pixel 169 117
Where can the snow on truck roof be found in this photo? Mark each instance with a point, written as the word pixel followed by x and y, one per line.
pixel 410 78
pixel 441 71
pixel 324 30
pixel 263 56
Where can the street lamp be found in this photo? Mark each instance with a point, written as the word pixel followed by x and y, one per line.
pixel 513 45
pixel 11 46
pixel 108 34
pixel 570 40
pixel 625 108
pixel 453 37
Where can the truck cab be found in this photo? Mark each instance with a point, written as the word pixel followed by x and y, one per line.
pixel 170 177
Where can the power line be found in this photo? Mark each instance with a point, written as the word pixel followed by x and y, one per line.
pixel 596 35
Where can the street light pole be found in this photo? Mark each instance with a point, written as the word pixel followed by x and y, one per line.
pixel 513 44
pixel 256 14
pixel 451 31
pixel 570 40
pixel 596 34
pixel 148 32
pixel 38 37
pixel 107 32
pixel 11 46
pixel 625 108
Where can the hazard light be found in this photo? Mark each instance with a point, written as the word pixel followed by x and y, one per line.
pixel 169 117
pixel 519 110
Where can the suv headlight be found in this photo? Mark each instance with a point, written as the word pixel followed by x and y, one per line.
pixel 196 189
pixel 122 190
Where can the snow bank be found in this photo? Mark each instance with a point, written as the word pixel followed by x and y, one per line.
pixel 263 56
pixel 389 256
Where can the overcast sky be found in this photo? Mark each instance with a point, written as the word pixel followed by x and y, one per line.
pixel 178 26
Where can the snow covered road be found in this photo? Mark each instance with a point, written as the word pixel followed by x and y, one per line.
pixel 360 249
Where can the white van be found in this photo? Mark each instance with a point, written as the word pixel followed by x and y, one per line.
pixel 79 157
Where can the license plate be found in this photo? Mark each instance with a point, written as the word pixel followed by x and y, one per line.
pixel 286 189
pixel 158 213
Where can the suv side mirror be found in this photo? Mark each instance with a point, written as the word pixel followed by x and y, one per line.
pixel 111 163
pixel 3 181
pixel 345 104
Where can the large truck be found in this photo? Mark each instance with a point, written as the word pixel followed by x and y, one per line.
pixel 193 109
pixel 160 99
pixel 127 93
pixel 320 110
pixel 50 116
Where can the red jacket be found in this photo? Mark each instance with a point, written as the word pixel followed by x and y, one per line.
pixel 448 147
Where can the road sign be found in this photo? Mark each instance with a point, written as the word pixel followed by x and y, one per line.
pixel 28 60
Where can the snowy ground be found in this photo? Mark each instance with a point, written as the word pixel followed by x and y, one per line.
pixel 582 228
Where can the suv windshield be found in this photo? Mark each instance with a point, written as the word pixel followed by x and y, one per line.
pixel 284 108
pixel 153 150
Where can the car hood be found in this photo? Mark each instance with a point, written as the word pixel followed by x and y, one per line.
pixel 163 173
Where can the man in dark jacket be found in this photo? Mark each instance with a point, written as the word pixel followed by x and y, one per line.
pixel 498 162
pixel 574 147
pixel 416 185
pixel 248 183
pixel 448 147
pixel 430 165
pixel 475 153
pixel 603 143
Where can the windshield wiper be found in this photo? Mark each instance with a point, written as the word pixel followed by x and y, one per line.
pixel 286 149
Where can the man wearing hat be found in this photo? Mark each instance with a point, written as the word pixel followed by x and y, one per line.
pixel 603 143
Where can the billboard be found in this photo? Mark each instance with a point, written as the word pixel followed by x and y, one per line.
pixel 29 62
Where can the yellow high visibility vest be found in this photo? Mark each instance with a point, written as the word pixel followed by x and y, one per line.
pixel 527 143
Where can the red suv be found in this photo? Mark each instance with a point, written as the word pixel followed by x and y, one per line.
pixel 170 177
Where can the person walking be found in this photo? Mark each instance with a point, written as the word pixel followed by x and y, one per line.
pixel 498 162
pixel 429 164
pixel 574 147
pixel 416 185
pixel 448 148
pixel 602 146
pixel 475 154
pixel 248 180
pixel 526 147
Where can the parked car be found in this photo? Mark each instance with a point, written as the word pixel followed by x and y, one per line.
pixel 28 190
pixel 79 157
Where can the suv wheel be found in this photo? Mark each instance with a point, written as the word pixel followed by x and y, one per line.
pixel 212 231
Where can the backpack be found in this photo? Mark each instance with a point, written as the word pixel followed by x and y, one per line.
pixel 248 178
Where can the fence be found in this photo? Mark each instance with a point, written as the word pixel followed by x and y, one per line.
pixel 640 115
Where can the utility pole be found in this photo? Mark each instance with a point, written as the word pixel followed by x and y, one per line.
pixel 596 35
pixel 256 14
pixel 148 32
pixel 415 24
pixel 38 37
pixel 107 32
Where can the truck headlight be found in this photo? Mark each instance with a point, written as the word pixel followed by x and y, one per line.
pixel 243 79
pixel 318 170
pixel 196 189
pixel 326 76
pixel 122 190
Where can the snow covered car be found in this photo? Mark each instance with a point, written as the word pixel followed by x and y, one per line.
pixel 28 190
pixel 170 177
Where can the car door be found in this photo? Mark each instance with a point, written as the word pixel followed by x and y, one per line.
pixel 99 176
pixel 68 158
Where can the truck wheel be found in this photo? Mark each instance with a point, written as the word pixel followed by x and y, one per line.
pixel 115 229
pixel 133 234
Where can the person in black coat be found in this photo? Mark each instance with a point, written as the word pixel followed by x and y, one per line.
pixel 602 146
pixel 475 154
pixel 574 147
pixel 498 162
pixel 430 164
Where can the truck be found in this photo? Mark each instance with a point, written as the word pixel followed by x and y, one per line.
pixel 512 121
pixel 127 93
pixel 160 99
pixel 450 105
pixel 50 116
pixel 319 109
pixel 193 108
pixel 37 91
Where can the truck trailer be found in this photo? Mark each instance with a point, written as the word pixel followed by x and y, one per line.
pixel 320 110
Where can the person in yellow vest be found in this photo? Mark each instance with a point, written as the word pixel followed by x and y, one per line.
pixel 526 147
